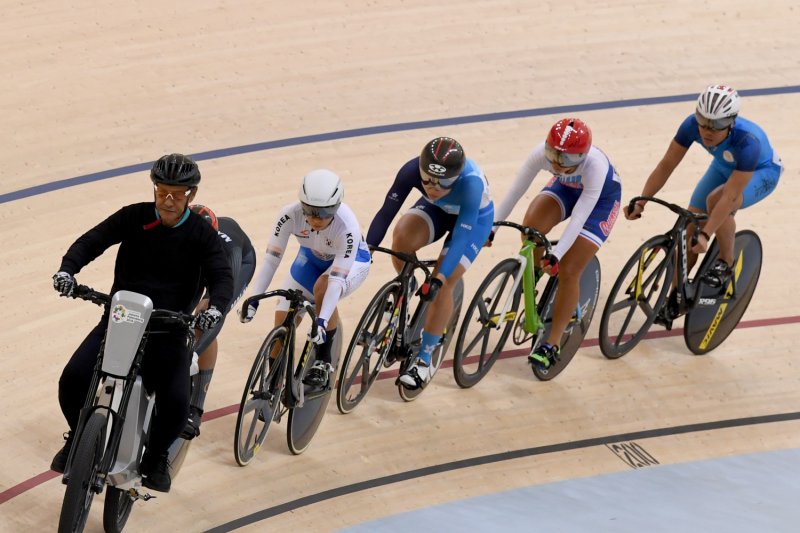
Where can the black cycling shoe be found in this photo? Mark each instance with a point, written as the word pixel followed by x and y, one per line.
pixel 719 275
pixel 59 463
pixel 155 471
pixel 192 428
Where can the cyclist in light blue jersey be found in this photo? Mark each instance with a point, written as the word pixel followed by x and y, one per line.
pixel 456 200
pixel 744 170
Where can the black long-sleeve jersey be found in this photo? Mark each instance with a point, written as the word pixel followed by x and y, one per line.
pixel 166 264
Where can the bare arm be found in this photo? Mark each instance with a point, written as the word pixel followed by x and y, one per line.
pixel 672 158
pixel 730 201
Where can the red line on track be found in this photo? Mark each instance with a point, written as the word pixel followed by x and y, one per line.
pixel 37 480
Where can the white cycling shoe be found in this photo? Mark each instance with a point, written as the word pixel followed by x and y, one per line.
pixel 417 375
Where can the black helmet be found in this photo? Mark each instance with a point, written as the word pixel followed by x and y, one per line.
pixel 442 158
pixel 175 169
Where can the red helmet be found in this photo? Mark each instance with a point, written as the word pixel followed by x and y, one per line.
pixel 568 142
pixel 207 214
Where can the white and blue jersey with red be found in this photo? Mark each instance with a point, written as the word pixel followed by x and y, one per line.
pixel 337 250
pixel 589 196
pixel 746 149
pixel 466 212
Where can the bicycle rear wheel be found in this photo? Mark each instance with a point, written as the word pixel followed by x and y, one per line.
pixel 577 328
pixel 304 421
pixel 409 395
pixel 475 353
pixel 636 297
pixel 261 399
pixel 717 312
pixel 83 481
pixel 117 509
pixel 368 349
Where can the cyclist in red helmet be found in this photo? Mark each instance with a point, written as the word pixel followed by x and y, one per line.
pixel 585 188
pixel 242 258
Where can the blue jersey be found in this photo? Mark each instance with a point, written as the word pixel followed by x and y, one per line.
pixel 746 148
pixel 469 200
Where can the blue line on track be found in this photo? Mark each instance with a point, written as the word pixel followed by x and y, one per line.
pixel 377 130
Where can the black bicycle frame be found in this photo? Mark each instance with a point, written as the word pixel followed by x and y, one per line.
pixel 679 247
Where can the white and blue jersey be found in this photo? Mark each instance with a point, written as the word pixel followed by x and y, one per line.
pixel 746 149
pixel 466 212
pixel 589 196
pixel 337 250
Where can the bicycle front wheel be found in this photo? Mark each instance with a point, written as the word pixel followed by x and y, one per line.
pixel 117 509
pixel 475 351
pixel 261 399
pixel 368 349
pixel 409 395
pixel 84 482
pixel 636 297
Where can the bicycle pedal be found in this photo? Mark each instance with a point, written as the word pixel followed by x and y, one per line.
pixel 663 321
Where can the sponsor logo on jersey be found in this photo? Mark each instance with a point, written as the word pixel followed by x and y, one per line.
pixel 349 250
pixel 606 225
pixel 225 237
pixel 283 220
pixel 727 156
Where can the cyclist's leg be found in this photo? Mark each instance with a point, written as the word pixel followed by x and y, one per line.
pixel 74 386
pixel 165 366
pixel 441 308
pixel 761 184
pixel 713 180
pixel 570 269
pixel 415 229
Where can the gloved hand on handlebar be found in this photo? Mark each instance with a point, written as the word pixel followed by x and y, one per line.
pixel 247 313
pixel 64 283
pixel 208 319
pixel 428 290
pixel 550 261
pixel 319 334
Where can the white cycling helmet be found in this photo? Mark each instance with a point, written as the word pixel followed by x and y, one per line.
pixel 321 193
pixel 717 107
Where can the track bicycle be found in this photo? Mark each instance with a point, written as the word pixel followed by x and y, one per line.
pixel 639 296
pixel 275 383
pixel 114 423
pixel 389 332
pixel 495 309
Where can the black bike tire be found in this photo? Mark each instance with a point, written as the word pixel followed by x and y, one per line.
pixel 570 341
pixel 298 437
pixel 346 377
pixel 613 350
pixel 409 395
pixel 82 472
pixel 743 300
pixel 276 375
pixel 463 378
pixel 116 510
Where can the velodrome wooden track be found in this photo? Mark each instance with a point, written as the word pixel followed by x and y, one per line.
pixel 110 87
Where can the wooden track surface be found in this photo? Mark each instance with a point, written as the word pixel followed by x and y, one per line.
pixel 92 88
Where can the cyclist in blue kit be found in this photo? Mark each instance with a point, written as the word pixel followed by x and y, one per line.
pixel 744 170
pixel 455 200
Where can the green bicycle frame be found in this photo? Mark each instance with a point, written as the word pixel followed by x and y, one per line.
pixel 533 323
